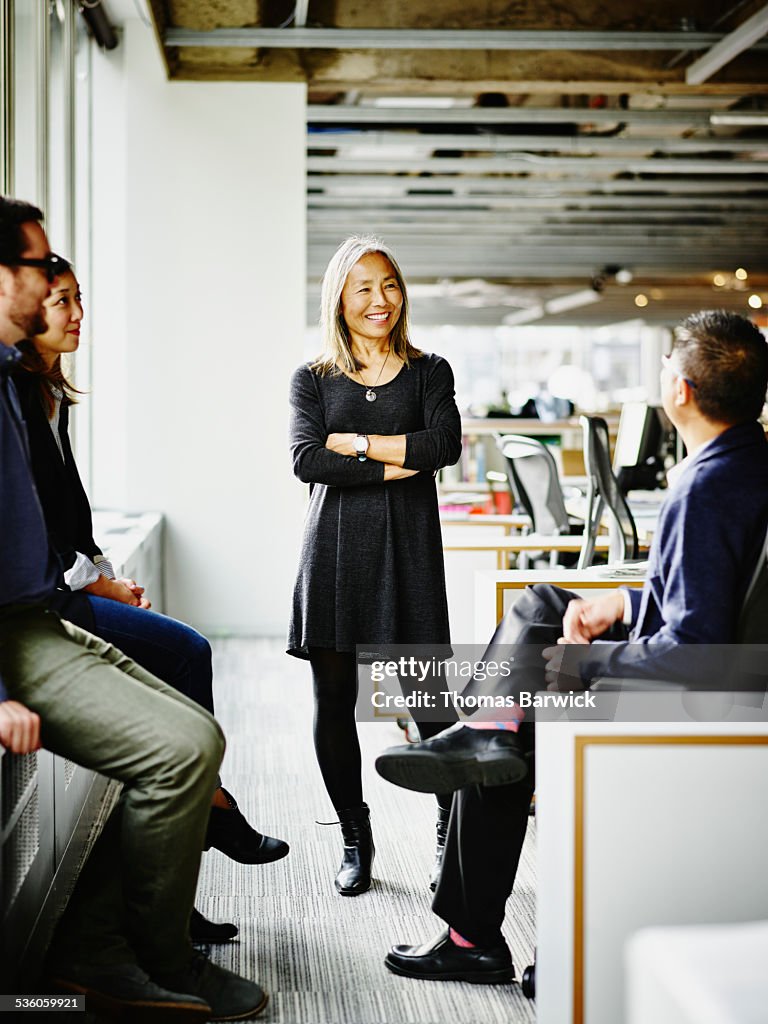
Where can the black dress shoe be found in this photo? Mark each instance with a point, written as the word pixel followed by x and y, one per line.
pixel 442 960
pixel 455 758
pixel 229 832
pixel 205 932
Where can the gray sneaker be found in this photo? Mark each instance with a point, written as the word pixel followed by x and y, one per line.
pixel 126 986
pixel 229 996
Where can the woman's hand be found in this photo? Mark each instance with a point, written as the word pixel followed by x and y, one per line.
pixel 113 590
pixel 138 591
pixel 342 444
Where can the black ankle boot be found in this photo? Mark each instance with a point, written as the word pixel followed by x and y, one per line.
pixel 229 832
pixel 205 932
pixel 354 874
pixel 443 816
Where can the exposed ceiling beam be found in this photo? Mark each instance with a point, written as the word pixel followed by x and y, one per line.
pixel 531 165
pixel 344 114
pixel 380 217
pixel 438 39
pixel 514 143
pixel 742 38
pixel 588 189
pixel 548 198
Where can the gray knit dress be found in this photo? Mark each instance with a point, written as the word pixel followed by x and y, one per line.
pixel 371 563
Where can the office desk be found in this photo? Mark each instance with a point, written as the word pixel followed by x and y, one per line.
pixel 505 546
pixel 515 521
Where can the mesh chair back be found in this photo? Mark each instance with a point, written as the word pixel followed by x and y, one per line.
pixel 604 495
pixel 753 620
pixel 535 483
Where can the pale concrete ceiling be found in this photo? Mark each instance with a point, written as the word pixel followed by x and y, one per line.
pixel 545 166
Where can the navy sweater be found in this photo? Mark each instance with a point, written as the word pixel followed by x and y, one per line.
pixel 28 570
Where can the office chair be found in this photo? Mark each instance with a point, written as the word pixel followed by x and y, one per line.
pixel 604 495
pixel 535 485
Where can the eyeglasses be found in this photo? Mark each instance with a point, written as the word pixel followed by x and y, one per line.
pixel 53 265
pixel 666 362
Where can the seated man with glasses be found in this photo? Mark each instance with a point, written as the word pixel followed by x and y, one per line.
pixel 124 938
pixel 710 538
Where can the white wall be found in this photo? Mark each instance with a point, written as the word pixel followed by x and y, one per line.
pixel 199 278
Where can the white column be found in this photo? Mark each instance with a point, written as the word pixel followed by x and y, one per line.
pixel 207 282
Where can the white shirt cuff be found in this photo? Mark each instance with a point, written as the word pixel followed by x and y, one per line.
pixel 81 573
pixel 627 617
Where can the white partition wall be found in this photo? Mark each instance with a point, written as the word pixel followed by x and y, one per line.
pixel 199 271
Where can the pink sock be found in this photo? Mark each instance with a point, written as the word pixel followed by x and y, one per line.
pixel 459 940
pixel 507 726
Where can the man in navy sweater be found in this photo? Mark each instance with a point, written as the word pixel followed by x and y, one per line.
pixel 710 538
pixel 124 939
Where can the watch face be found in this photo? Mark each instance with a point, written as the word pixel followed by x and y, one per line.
pixel 361 444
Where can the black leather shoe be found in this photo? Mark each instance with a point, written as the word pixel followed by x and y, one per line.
pixel 229 832
pixel 205 932
pixel 442 960
pixel 455 758
pixel 354 875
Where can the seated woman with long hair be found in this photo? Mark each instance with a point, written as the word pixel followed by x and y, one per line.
pixel 90 595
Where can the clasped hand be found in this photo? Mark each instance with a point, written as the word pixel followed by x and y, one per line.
pixel 583 622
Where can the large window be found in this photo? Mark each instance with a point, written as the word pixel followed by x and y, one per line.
pixel 45 156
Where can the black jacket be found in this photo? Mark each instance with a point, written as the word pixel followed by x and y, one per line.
pixel 65 504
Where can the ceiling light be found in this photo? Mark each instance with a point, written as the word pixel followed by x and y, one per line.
pixel 623 276
pixel 524 316
pixel 657 294
pixel 718 280
pixel 745 120
pixel 741 274
pixel 755 302
pixel 572 300
pixel 434 102
pixel 641 300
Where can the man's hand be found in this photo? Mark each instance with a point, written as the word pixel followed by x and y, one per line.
pixel 585 620
pixel 562 670
pixel 19 728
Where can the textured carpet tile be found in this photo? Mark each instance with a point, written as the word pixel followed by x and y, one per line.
pixel 320 955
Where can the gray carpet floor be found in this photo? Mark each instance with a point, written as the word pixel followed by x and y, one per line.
pixel 320 955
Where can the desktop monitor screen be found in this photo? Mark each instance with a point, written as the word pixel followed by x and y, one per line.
pixel 642 444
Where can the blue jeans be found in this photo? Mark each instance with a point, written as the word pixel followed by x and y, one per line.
pixel 170 650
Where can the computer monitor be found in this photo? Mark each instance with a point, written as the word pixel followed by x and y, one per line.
pixel 645 440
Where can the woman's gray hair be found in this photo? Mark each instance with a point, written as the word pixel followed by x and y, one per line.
pixel 337 351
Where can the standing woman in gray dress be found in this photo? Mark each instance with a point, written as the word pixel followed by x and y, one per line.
pixel 372 420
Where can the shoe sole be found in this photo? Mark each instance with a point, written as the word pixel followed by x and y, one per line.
pixel 244 1016
pixel 428 772
pixel 146 1011
pixel 503 976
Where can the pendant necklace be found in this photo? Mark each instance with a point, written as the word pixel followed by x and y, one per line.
pixel 370 394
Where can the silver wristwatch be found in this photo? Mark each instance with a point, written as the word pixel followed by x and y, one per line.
pixel 360 444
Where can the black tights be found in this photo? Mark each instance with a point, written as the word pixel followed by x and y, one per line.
pixel 334 674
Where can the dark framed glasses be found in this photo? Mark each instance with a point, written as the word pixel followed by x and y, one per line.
pixel 666 362
pixel 52 264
